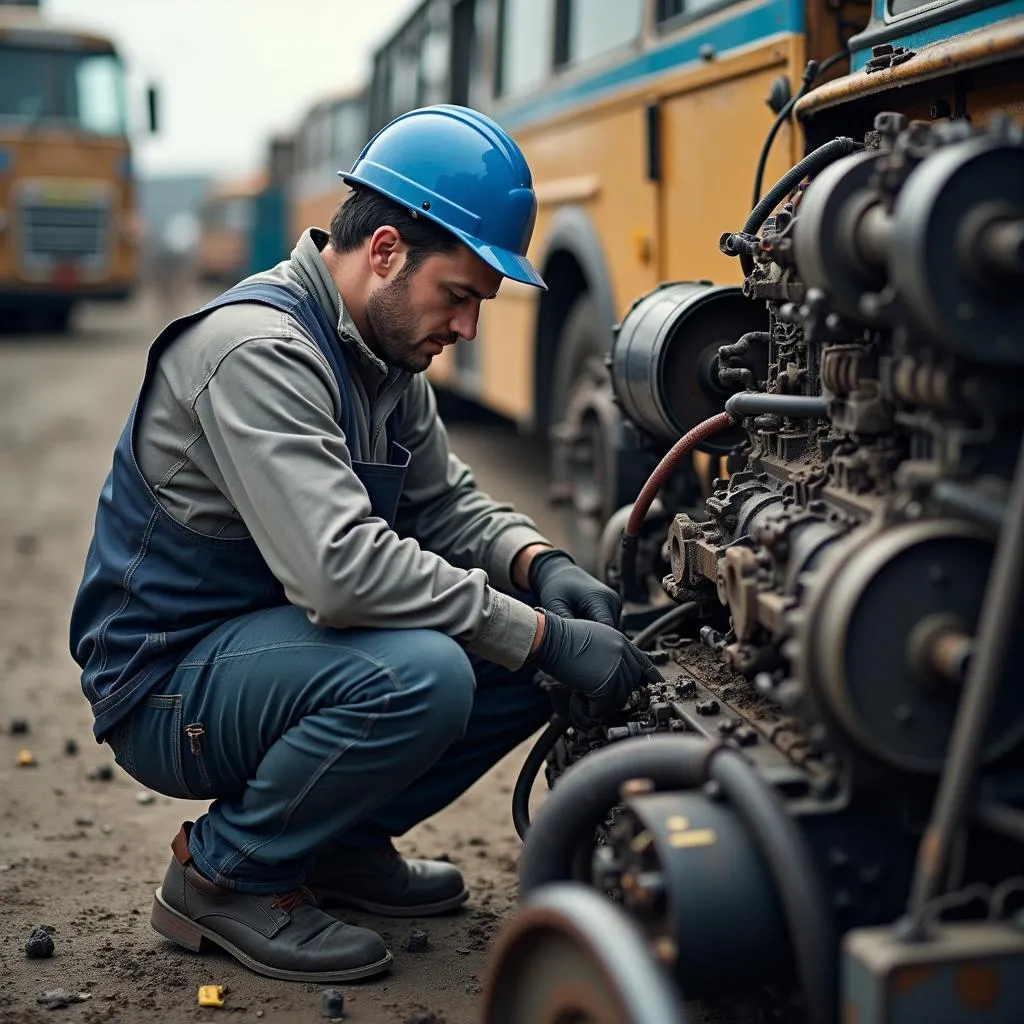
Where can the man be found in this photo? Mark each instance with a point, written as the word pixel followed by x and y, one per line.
pixel 296 602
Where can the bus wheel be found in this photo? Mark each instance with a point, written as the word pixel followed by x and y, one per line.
pixel 584 421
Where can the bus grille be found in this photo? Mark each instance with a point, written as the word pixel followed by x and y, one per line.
pixel 64 232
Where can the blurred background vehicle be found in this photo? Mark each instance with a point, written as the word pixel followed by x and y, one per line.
pixel 225 229
pixel 69 226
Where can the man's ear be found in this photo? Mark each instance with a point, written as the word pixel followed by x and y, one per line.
pixel 385 251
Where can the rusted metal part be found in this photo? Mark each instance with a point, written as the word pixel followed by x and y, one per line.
pixel 999 43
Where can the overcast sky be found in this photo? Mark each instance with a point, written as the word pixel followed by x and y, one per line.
pixel 232 72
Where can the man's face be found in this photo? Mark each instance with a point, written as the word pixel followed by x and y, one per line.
pixel 418 312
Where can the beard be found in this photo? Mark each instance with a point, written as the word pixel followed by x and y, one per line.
pixel 395 328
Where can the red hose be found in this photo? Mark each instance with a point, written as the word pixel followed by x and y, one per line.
pixel 672 458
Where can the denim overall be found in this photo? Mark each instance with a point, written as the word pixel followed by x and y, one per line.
pixel 208 685
pixel 152 587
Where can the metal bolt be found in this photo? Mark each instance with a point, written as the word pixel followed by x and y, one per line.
pixel 707 707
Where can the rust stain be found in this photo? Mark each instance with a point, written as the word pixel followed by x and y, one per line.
pixel 908 978
pixel 998 42
pixel 978 987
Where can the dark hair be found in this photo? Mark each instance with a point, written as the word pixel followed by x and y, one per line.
pixel 362 212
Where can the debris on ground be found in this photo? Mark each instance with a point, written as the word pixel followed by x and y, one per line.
pixel 211 995
pixel 26 759
pixel 332 1004
pixel 444 857
pixel 59 998
pixel 145 797
pixel 104 773
pixel 425 1017
pixel 417 942
pixel 19 726
pixel 70 747
pixel 39 944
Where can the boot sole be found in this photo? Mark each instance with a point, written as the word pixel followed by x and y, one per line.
pixel 173 925
pixel 326 896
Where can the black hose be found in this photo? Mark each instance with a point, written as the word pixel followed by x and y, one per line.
pixel 802 894
pixel 812 72
pixel 815 161
pixel 756 403
pixel 675 615
pixel 997 633
pixel 546 741
pixel 588 790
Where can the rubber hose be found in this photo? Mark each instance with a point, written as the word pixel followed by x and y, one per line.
pixel 812 72
pixel 811 164
pixel 802 894
pixel 756 403
pixel 590 788
pixel 546 741
pixel 649 491
pixel 680 613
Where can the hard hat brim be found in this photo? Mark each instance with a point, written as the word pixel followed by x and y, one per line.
pixel 509 264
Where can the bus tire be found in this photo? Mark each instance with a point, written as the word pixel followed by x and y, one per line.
pixel 583 419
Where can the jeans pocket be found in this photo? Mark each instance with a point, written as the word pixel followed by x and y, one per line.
pixel 166 754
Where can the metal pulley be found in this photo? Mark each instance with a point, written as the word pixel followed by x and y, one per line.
pixel 665 359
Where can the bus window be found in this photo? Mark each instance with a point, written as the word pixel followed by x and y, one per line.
pixel 98 93
pixel 597 26
pixel 349 133
pixel 23 78
pixel 83 89
pixel 434 67
pixel 674 12
pixel 527 44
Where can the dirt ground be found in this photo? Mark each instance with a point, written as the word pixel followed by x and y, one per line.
pixel 82 854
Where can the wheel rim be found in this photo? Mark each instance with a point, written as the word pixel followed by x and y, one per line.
pixel 571 957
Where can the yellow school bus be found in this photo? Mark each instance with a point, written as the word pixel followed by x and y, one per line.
pixel 329 139
pixel 68 223
pixel 641 120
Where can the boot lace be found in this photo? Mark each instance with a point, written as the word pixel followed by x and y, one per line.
pixel 290 900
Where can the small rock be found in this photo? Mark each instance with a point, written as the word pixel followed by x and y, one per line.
pixel 70 747
pixel 26 759
pixel 83 822
pixel 259 1013
pixel 106 829
pixel 425 1017
pixel 145 797
pixel 332 1004
pixel 104 773
pixel 444 857
pixel 39 944
pixel 26 543
pixel 417 942
pixel 58 998
pixel 477 841
pixel 19 726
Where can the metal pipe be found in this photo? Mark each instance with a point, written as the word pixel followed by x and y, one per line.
pixel 996 633
pixel 1002 819
pixel 754 403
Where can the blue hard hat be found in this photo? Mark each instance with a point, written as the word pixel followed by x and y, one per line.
pixel 458 168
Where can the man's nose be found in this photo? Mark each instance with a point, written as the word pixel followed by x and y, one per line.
pixel 464 324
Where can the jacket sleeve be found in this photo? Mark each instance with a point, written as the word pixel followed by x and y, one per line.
pixel 443 508
pixel 268 413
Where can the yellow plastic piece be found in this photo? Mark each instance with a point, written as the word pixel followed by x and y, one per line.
pixel 26 758
pixel 211 995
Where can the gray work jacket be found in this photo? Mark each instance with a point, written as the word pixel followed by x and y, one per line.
pixel 238 435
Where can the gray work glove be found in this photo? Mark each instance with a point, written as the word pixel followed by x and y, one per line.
pixel 596 662
pixel 564 588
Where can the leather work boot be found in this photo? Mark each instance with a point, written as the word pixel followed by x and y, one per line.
pixel 382 881
pixel 284 936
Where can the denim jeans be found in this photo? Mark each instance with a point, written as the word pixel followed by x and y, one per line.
pixel 300 735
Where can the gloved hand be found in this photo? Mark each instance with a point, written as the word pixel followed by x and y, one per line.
pixel 596 662
pixel 564 588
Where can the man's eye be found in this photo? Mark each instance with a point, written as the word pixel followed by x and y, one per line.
pixel 455 299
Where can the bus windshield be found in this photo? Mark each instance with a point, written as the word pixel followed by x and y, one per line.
pixel 80 89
